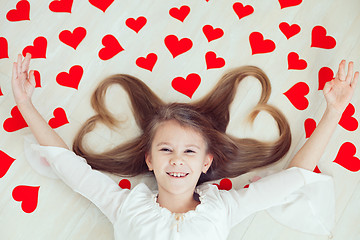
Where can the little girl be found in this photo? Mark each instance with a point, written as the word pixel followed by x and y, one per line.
pixel 184 146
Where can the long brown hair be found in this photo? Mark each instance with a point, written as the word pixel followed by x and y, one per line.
pixel 209 115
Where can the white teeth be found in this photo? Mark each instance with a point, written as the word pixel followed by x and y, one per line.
pixel 177 174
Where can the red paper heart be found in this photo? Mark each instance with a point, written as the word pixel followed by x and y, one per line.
pixel 111 47
pixel 188 86
pixel 147 63
pixel 289 31
pixel 317 170
pixel 1 94
pixel 241 10
pixel 137 24
pixel 71 79
pixel 101 4
pixel 5 163
pixel 289 3
pixel 61 6
pixel 211 33
pixel 3 48
pixel 177 47
pixel 259 45
pixel 125 184
pixel 346 158
pixel 296 95
pixel 180 13
pixel 28 195
pixel 59 118
pixel 347 121
pixel 310 126
pixel 73 39
pixel 225 184
pixel 16 122
pixel 38 50
pixel 20 13
pixel 295 63
pixel 37 79
pixel 325 75
pixel 212 61
pixel 320 40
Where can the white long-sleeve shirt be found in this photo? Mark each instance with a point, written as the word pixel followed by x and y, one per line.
pixel 295 197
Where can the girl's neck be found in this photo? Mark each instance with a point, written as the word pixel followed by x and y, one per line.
pixel 177 203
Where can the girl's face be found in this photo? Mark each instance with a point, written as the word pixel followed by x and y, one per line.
pixel 179 151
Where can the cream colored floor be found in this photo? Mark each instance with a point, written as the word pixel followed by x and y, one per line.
pixel 63 214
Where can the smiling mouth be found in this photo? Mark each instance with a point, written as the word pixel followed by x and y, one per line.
pixel 177 175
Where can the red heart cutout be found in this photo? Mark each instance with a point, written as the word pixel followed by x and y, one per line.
pixel 325 75
pixel 61 6
pixel 211 33
pixel 180 13
pixel 259 45
pixel 296 94
pixel 241 10
pixel 148 62
pixel 310 126
pixel 1 94
pixel 22 12
pixel 317 170
pixel 28 195
pixel 295 63
pixel 137 24
pixel 346 158
pixel 177 47
pixel 111 47
pixel 289 3
pixel 246 186
pixel 289 31
pixel 16 122
pixel 59 118
pixel 320 40
pixel 38 50
pixel 125 184
pixel 4 48
pixel 101 4
pixel 73 39
pixel 71 79
pixel 212 61
pixel 347 121
pixel 37 79
pixel 225 184
pixel 5 163
pixel 188 86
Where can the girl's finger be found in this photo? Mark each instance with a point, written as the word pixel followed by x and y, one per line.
pixel 355 80
pixel 350 72
pixel 19 64
pixel 32 78
pixel 14 76
pixel 341 72
pixel 26 63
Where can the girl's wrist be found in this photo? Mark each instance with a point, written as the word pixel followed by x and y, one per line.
pixel 24 104
pixel 333 113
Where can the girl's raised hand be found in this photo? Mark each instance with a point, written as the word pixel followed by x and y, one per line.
pixel 339 91
pixel 23 81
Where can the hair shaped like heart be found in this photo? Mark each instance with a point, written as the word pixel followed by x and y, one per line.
pixel 209 116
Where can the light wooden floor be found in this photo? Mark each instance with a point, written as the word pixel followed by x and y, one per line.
pixel 63 214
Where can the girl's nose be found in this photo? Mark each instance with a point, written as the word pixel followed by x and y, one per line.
pixel 176 160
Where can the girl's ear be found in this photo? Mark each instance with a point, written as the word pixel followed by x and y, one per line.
pixel 207 163
pixel 148 161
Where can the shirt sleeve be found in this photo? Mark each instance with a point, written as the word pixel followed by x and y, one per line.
pixel 78 175
pixel 295 197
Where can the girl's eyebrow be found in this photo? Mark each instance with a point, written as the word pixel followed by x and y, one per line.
pixel 166 143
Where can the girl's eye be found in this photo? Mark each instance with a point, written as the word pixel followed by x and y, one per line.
pixel 165 150
pixel 189 151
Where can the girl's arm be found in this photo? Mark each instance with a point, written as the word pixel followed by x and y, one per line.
pixel 23 85
pixel 338 93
